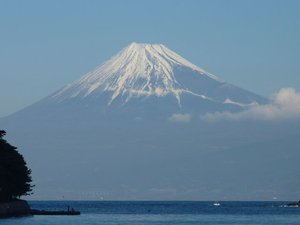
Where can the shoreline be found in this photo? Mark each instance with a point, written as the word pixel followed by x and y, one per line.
pixel 14 208
pixel 20 208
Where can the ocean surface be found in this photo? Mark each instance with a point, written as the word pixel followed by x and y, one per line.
pixel 162 213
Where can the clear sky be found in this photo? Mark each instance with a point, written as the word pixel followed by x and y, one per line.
pixel 47 44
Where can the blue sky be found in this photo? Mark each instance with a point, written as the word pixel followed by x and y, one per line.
pixel 47 44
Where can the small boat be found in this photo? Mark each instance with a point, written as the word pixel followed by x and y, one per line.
pixel 216 204
pixel 294 204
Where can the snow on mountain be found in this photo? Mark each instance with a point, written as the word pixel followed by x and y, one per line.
pixel 152 70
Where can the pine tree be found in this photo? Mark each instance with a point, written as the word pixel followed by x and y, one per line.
pixel 15 177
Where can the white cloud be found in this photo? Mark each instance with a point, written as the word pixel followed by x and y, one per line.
pixel 284 105
pixel 181 118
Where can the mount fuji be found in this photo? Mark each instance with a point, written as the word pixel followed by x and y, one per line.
pixel 150 79
pixel 114 134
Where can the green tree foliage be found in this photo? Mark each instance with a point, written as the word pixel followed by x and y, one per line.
pixel 15 177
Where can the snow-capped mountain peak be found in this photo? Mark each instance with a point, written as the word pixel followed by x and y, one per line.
pixel 155 76
pixel 137 70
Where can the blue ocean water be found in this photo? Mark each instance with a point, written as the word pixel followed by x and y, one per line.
pixel 162 213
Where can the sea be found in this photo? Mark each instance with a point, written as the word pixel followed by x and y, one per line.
pixel 162 213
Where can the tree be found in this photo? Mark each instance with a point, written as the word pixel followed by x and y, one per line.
pixel 15 177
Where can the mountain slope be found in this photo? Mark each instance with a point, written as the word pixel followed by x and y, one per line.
pixel 113 133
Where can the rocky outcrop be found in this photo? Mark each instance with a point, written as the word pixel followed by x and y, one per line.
pixel 14 208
